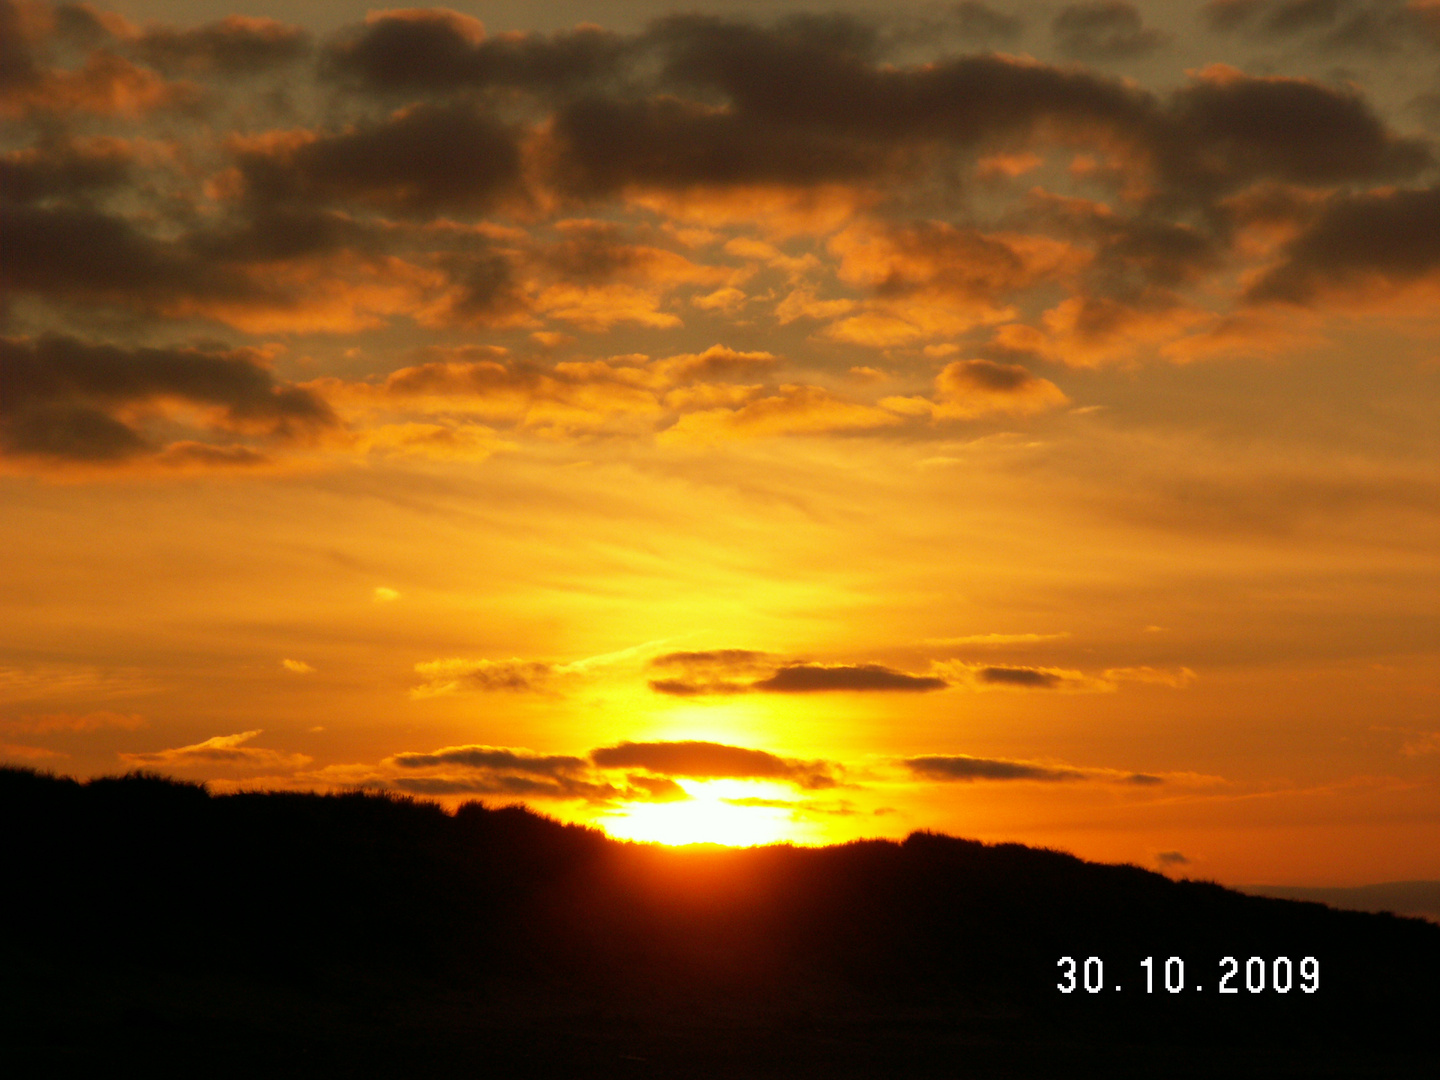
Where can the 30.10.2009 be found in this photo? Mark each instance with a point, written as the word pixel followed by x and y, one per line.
pixel 1277 975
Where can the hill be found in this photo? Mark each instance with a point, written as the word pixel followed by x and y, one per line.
pixel 367 934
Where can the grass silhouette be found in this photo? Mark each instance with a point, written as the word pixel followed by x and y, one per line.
pixel 369 933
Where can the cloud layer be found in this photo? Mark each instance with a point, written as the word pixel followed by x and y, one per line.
pixel 551 191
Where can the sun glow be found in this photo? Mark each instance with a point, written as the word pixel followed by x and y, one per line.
pixel 729 812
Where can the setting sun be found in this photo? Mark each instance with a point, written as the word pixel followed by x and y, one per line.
pixel 721 812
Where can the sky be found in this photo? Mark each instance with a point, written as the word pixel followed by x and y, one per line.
pixel 741 423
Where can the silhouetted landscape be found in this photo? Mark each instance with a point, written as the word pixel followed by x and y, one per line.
pixel 282 934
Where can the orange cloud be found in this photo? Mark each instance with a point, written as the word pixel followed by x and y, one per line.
pixel 794 410
pixel 227 751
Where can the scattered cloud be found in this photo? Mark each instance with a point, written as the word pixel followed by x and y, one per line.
pixel 70 401
pixel 807 678
pixel 709 761
pixel 738 671
pixel 457 674
pixel 507 771
pixel 961 767
pixel 224 751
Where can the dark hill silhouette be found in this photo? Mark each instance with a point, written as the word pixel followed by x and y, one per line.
pixel 372 934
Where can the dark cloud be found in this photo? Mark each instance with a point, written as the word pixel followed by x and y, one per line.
pixel 1131 253
pixel 976 21
pixel 1104 30
pixel 444 676
pixel 83 255
pixel 713 761
pixel 439 50
pixel 769 105
pixel 1171 858
pixel 960 767
pixel 804 102
pixel 1374 25
pixel 1144 779
pixel 497 770
pixel 421 160
pixel 805 678
pixel 728 659
pixel 235 45
pixel 1229 129
pixel 64 169
pixel 603 146
pixel 711 671
pixel 495 758
pixel 695 688
pixel 721 671
pixel 1019 676
pixel 1388 237
pixel 63 396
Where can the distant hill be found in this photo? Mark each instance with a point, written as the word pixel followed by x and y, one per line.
pixel 283 934
pixel 1419 899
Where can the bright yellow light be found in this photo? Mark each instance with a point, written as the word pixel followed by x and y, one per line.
pixel 707 818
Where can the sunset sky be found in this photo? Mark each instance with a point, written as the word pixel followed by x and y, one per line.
pixel 726 423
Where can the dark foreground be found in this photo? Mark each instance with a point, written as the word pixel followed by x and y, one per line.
pixel 148 924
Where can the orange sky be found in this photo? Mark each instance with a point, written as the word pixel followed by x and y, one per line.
pixel 1013 421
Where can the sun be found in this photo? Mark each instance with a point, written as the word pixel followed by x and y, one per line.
pixel 734 813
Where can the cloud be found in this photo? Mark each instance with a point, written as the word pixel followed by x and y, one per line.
pixel 961 767
pixel 494 758
pixel 712 761
pixel 1227 129
pixel 971 388
pixel 795 409
pixel 1178 678
pixel 234 45
pixel 299 667
pixel 807 678
pixel 66 168
pixel 421 160
pixel 711 671
pixel 226 751
pixel 1379 26
pixel 738 671
pixel 1356 245
pixel 1171 858
pixel 455 674
pixel 418 50
pixel 104 83
pixel 1030 678
pixel 980 676
pixel 68 400
pixel 570 395
pixel 1104 30
pixel 498 770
